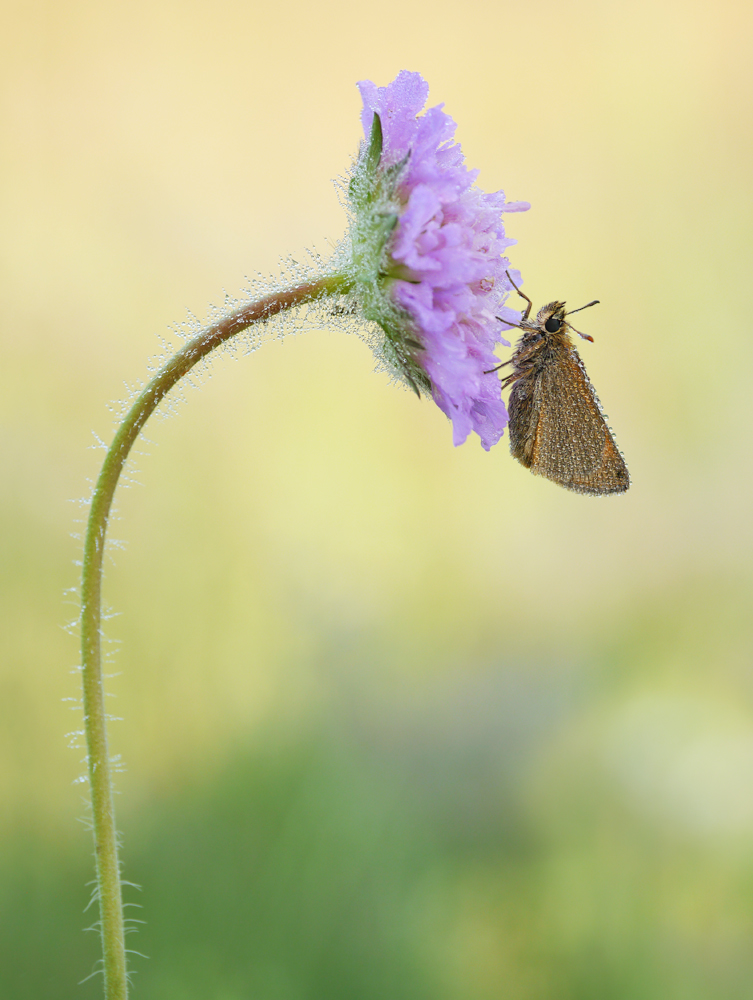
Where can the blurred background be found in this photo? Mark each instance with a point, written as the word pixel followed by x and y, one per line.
pixel 399 720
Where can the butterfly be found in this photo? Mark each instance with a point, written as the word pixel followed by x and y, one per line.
pixel 557 427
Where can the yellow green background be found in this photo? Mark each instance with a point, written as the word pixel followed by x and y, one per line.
pixel 399 720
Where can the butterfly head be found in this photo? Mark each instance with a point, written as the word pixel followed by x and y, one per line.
pixel 551 319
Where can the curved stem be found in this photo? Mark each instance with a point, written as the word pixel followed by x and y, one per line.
pixel 99 765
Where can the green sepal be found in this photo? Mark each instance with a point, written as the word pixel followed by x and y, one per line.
pixel 394 350
pixel 386 223
pixel 376 143
pixel 363 183
pixel 392 173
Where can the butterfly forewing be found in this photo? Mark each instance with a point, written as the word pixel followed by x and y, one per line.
pixel 557 428
pixel 572 444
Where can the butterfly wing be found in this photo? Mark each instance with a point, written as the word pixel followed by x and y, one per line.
pixel 558 429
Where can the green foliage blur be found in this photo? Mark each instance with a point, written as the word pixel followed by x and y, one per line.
pixel 398 720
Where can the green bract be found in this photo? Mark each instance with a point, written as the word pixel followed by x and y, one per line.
pixel 373 193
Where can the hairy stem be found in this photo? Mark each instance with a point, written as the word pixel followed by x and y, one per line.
pixel 99 764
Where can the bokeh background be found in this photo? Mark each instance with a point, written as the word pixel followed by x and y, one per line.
pixel 399 720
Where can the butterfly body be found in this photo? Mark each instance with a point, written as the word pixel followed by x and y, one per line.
pixel 557 426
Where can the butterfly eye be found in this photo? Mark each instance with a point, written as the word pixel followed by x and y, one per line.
pixel 552 325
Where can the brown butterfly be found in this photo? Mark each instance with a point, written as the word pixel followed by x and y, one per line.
pixel 557 426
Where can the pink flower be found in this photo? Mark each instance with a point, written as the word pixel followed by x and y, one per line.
pixel 439 257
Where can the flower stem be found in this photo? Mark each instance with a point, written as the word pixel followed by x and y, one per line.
pixel 99 764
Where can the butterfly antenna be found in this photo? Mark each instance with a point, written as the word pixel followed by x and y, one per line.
pixel 583 335
pixel 580 308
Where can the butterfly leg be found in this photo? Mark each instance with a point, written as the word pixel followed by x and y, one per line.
pixel 498 366
pixel 527 313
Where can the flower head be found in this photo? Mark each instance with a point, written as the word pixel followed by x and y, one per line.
pixel 428 260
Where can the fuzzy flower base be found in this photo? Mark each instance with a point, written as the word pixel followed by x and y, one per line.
pixel 441 273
